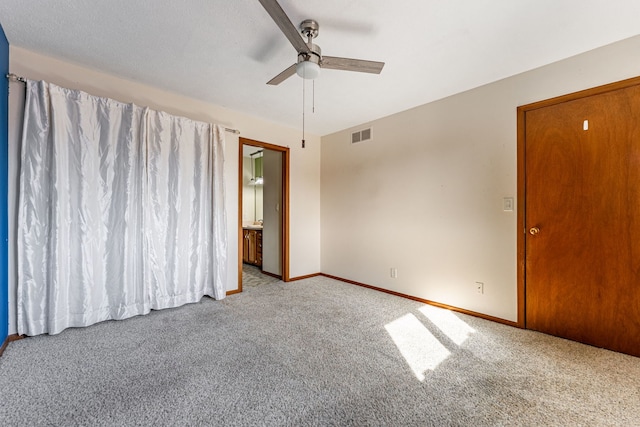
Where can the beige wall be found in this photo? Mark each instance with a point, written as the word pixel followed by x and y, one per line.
pixel 305 163
pixel 425 194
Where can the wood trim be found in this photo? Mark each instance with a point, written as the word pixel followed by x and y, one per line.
pixel 308 276
pixel 239 224
pixel 425 301
pixel 4 346
pixel 275 276
pixel 521 220
pixel 286 166
pixel 266 145
pixel 622 84
pixel 521 176
pixel 286 171
pixel 10 338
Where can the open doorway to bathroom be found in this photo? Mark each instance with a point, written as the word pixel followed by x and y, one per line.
pixel 263 212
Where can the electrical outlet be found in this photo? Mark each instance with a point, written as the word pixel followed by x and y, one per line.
pixel 394 273
pixel 480 287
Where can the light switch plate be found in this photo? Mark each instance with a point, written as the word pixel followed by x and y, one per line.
pixel 507 204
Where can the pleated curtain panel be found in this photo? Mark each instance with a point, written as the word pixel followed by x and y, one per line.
pixel 121 211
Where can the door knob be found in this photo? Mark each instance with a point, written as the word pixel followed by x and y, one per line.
pixel 534 230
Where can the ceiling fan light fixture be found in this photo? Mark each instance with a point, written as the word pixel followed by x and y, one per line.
pixel 308 70
pixel 310 59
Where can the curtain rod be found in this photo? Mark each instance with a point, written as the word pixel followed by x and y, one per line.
pixel 15 78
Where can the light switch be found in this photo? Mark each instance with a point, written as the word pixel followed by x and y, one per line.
pixel 507 204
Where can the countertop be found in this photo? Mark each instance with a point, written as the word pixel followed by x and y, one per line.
pixel 252 227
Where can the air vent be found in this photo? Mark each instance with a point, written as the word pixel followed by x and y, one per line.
pixel 361 136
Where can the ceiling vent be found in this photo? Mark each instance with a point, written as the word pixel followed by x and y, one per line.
pixel 361 136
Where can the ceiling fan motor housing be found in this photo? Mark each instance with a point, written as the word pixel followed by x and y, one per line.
pixel 314 55
pixel 309 63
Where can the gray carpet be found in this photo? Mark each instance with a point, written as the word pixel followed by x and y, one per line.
pixel 313 353
pixel 252 276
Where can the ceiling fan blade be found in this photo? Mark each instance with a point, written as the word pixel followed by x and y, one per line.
pixel 348 64
pixel 290 71
pixel 286 26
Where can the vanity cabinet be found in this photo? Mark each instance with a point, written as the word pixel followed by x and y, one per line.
pixel 252 246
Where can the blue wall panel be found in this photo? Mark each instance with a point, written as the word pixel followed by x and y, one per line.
pixel 4 176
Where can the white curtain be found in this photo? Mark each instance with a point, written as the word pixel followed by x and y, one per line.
pixel 185 257
pixel 120 211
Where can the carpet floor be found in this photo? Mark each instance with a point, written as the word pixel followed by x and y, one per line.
pixel 316 352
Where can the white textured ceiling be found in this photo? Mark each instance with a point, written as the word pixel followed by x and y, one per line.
pixel 224 51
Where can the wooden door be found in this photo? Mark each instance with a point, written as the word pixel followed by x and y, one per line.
pixel 245 245
pixel 253 248
pixel 582 189
pixel 259 248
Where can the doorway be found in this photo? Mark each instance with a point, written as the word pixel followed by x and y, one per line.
pixel 263 188
pixel 579 222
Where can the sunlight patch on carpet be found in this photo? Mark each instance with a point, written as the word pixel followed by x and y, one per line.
pixel 421 350
pixel 450 324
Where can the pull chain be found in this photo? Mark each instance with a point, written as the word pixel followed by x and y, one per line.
pixel 313 96
pixel 303 112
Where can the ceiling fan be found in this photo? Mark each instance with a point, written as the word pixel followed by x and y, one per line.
pixel 310 58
